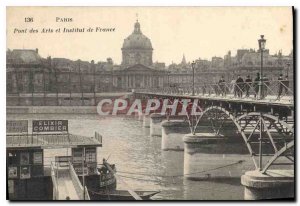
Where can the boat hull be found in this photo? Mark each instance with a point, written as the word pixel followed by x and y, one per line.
pixel 95 183
pixel 121 195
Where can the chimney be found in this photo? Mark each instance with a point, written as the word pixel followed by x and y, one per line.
pixel 37 50
pixel 109 60
pixel 49 59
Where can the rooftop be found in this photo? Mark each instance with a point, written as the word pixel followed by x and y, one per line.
pixel 51 141
pixel 25 56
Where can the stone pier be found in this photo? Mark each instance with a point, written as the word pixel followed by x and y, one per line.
pixel 274 184
pixel 141 117
pixel 172 133
pixel 146 121
pixel 209 156
pixel 155 124
pixel 136 113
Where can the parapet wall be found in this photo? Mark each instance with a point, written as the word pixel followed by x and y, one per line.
pixel 51 110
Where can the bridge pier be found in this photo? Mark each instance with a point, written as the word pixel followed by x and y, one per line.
pixel 141 117
pixel 172 133
pixel 155 124
pixel 136 114
pixel 146 121
pixel 209 156
pixel 275 184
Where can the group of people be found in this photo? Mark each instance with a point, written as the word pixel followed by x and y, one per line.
pixel 283 85
pixel 239 86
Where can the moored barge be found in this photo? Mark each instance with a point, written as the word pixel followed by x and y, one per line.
pixel 29 178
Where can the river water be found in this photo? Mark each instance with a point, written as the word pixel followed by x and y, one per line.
pixel 130 147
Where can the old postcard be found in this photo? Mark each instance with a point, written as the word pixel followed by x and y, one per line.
pixel 150 103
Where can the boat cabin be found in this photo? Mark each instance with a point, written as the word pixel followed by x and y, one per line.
pixel 28 176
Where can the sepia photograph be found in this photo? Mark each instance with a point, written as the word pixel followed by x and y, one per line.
pixel 150 103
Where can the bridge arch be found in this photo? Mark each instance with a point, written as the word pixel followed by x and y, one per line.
pixel 264 123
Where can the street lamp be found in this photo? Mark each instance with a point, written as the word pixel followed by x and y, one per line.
pixel 193 67
pixel 261 44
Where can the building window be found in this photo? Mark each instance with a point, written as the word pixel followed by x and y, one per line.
pixel 90 155
pixel 24 158
pixel 12 158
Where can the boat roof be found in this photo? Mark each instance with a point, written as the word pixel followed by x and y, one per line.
pixel 50 141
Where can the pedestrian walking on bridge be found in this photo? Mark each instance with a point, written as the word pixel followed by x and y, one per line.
pixel 285 85
pixel 280 86
pixel 217 89
pixel 240 86
pixel 256 84
pixel 265 86
pixel 248 84
pixel 222 86
pixel 232 87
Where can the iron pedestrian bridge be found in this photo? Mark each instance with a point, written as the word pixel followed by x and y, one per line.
pixel 262 122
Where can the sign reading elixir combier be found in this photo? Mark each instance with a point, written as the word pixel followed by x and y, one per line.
pixel 49 125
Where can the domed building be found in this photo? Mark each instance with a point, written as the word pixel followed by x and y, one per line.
pixel 137 70
pixel 137 48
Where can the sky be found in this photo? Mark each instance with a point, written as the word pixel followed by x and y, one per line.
pixel 193 31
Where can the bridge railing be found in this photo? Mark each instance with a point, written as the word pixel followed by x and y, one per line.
pixel 76 182
pixel 271 90
pixel 86 194
pixel 54 182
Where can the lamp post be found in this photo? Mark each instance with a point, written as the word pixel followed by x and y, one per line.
pixel 261 44
pixel 193 67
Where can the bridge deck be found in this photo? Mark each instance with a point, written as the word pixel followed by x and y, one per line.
pixel 269 100
pixel 66 187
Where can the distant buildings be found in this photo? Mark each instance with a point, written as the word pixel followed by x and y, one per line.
pixel 249 58
pixel 28 72
pixel 245 62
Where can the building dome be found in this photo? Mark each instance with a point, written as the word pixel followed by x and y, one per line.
pixel 137 48
pixel 137 40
